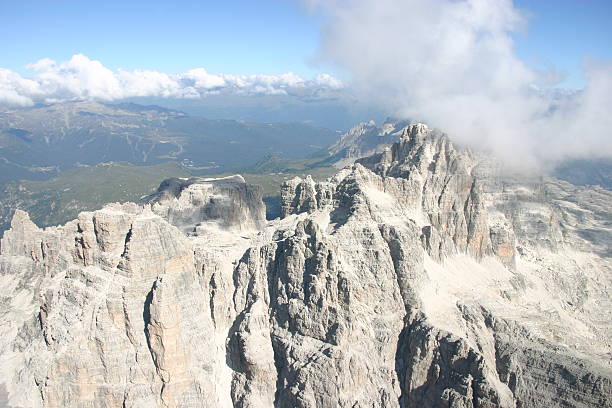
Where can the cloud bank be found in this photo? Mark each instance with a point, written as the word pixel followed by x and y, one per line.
pixel 451 64
pixel 82 78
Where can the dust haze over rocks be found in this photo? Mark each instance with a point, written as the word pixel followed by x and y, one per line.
pixel 452 64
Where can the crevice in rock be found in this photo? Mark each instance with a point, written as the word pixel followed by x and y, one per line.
pixel 400 365
pixel 146 318
pixel 128 238
pixel 212 291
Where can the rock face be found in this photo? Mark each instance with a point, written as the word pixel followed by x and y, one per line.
pixel 363 140
pixel 198 204
pixel 418 277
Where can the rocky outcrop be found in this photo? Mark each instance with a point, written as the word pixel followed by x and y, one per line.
pixel 363 140
pixel 197 204
pixel 418 277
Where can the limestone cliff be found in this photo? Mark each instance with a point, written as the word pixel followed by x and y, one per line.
pixel 197 204
pixel 363 140
pixel 418 277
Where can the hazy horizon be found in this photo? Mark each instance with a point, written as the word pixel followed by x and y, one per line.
pixel 529 81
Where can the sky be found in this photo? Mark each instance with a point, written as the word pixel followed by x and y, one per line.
pixel 230 36
pixel 561 34
pixel 530 81
pixel 257 37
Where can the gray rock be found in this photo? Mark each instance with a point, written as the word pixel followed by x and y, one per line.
pixel 363 140
pixel 422 276
pixel 195 204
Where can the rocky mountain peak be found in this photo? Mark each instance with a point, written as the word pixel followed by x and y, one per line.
pixel 416 277
pixel 420 149
pixel 198 204
pixel 364 139
pixel 430 180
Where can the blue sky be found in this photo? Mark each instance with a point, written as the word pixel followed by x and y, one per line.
pixel 561 34
pixel 249 37
pixel 230 36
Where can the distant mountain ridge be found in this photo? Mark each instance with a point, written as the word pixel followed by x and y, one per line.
pixel 38 142
pixel 584 172
pixel 365 139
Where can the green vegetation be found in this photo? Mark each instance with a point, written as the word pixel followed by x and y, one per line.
pixel 60 199
pixel 54 172
pixel 58 137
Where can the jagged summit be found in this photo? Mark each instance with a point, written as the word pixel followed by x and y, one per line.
pixel 416 277
pixel 364 139
pixel 196 204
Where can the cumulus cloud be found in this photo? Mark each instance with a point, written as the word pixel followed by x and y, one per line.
pixel 452 64
pixel 82 78
pixel 15 90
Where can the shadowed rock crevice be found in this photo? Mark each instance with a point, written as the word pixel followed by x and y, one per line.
pixel 146 315
pixel 417 277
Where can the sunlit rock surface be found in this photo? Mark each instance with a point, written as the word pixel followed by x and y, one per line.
pixel 363 140
pixel 417 277
pixel 198 204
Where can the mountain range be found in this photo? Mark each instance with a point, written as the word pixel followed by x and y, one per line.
pixel 418 276
pixel 53 196
pixel 367 138
pixel 40 142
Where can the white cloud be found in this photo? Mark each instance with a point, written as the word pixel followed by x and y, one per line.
pixel 81 78
pixel 451 63
pixel 328 81
pixel 15 90
pixel 202 79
